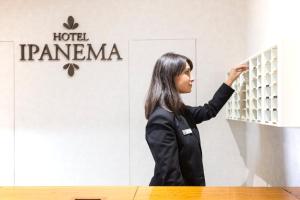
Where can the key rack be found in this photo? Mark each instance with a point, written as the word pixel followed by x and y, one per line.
pixel 269 92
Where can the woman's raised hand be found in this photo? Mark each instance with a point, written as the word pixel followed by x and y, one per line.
pixel 235 72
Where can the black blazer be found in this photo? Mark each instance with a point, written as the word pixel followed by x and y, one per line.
pixel 175 143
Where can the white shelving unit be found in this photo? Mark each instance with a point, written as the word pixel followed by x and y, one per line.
pixel 269 93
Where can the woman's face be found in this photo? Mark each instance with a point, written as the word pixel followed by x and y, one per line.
pixel 184 81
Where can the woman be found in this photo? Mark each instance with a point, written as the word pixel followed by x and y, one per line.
pixel 171 130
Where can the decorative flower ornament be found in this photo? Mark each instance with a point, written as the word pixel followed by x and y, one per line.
pixel 70 23
pixel 71 67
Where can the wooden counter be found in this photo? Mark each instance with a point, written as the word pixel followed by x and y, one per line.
pixel 293 190
pixel 212 193
pixel 67 193
pixel 148 193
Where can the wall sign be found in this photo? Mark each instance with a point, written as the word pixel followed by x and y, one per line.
pixel 71 46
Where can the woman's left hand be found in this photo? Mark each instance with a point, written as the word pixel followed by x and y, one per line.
pixel 235 72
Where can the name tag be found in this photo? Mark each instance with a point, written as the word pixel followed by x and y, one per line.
pixel 186 131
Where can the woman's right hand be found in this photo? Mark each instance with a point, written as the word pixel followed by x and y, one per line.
pixel 235 72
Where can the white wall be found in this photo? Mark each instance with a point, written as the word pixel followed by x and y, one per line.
pixel 272 154
pixel 7 113
pixel 89 129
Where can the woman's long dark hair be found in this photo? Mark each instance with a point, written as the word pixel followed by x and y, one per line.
pixel 162 90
